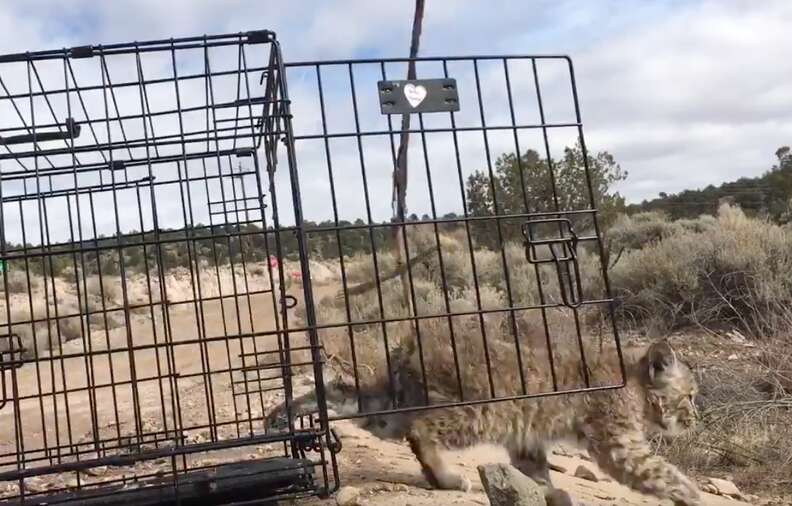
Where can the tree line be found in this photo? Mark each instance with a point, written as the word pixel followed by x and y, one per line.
pixel 517 185
pixel 767 195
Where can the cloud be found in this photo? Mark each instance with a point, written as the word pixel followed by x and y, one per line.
pixel 683 93
pixel 694 98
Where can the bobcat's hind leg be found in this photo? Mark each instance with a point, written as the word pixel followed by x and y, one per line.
pixel 424 442
pixel 532 462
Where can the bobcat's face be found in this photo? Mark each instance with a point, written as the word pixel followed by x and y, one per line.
pixel 671 392
pixel 674 407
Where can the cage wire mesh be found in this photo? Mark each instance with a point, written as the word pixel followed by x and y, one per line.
pixel 145 327
pixel 167 282
pixel 495 275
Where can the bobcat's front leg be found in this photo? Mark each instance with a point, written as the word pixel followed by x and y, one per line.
pixel 629 459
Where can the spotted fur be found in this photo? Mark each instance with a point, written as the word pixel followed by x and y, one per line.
pixel 614 425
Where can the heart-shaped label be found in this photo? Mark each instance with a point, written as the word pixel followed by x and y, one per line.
pixel 414 94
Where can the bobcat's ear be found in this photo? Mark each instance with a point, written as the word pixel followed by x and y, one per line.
pixel 661 359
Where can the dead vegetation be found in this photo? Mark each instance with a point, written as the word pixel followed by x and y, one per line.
pixel 729 271
pixel 746 430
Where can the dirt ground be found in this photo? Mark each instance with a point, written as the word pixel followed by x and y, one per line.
pixel 387 474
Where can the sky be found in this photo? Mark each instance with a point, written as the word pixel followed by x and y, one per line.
pixel 683 93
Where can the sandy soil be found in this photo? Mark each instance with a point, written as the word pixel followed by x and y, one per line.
pixel 387 474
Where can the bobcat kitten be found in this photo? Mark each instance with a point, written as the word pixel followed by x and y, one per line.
pixel 612 424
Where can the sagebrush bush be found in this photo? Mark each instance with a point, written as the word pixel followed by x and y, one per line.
pixel 731 271
pixel 71 328
pixel 108 289
pixel 453 281
pixel 18 282
pixel 40 331
pixel 635 231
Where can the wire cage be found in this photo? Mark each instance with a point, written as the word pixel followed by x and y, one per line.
pixel 144 326
pixel 167 284
pixel 493 285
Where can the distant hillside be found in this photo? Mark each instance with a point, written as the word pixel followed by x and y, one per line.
pixel 768 195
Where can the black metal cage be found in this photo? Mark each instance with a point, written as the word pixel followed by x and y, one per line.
pixel 159 299
pixel 499 262
pixel 143 325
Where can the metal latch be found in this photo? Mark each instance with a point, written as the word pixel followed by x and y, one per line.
pixel 556 235
pixel 72 132
pixel 10 359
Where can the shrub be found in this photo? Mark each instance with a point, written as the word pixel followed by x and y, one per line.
pixel 41 330
pixel 70 328
pixel 733 271
pixel 746 428
pixel 18 282
pixel 635 231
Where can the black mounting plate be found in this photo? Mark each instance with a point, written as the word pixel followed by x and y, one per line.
pixel 418 95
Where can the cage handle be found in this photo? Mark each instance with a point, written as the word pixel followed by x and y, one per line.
pixel 72 132
pixel 289 301
pixel 10 360
pixel 563 255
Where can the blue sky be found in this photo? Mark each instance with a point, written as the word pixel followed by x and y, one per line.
pixel 682 93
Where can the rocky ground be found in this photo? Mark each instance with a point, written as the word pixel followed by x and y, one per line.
pixel 376 472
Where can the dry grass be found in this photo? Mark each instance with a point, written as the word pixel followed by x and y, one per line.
pixel 732 271
pixel 447 289
pixel 746 431
pixel 18 283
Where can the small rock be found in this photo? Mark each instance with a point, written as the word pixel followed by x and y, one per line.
pixel 348 496
pixel 722 487
pixel 382 487
pixel 35 485
pixel 557 468
pixel 506 486
pixel 558 497
pixel 9 489
pixel 96 471
pixel 585 473
pixel 562 452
